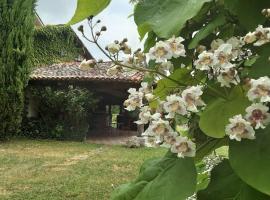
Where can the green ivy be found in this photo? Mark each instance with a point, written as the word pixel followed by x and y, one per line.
pixel 55 44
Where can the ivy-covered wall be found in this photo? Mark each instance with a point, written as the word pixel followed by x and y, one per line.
pixel 16 34
pixel 55 44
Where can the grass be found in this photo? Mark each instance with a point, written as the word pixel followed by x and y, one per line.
pixel 51 170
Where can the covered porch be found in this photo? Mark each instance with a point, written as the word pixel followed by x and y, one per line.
pixel 110 119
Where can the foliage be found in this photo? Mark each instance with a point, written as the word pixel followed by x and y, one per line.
pixel 163 17
pixel 86 8
pixel 62 113
pixel 165 174
pixel 55 44
pixel 16 31
pixel 209 65
pixel 223 175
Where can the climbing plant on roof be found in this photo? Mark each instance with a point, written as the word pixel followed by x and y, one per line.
pixel 55 44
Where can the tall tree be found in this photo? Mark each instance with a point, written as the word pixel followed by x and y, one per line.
pixel 16 35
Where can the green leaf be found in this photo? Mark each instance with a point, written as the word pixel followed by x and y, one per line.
pixel 209 146
pixel 166 86
pixel 225 184
pixel 206 30
pixel 250 160
pixel 261 67
pixel 216 115
pixel 143 29
pixel 86 8
pixel 226 31
pixel 248 11
pixel 162 179
pixel 166 17
pixel 150 41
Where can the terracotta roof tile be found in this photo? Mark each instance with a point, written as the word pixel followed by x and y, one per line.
pixel 71 71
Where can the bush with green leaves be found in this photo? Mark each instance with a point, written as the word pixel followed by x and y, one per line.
pixel 209 61
pixel 63 114
pixel 16 32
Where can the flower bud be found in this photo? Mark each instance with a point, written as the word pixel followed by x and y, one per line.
pixel 98 21
pixel 98 33
pixel 90 17
pixel 266 12
pixel 80 28
pixel 116 42
pixel 124 40
pixel 103 28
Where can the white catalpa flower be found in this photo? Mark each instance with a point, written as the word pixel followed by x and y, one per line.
pixel 170 139
pixel 113 48
pixel 150 141
pixel 215 44
pixel 114 70
pixel 260 90
pixel 177 48
pixel 257 115
pixel 227 77
pixel 239 128
pixel 192 98
pixel 134 100
pixel 250 37
pixel 129 61
pixel 174 104
pixel 160 52
pixel 87 64
pixel 237 45
pixel 126 49
pixel 144 116
pixel 223 56
pixel 262 35
pixel 159 128
pixel 149 96
pixel 205 61
pixel 165 67
pixel 145 88
pixel 184 147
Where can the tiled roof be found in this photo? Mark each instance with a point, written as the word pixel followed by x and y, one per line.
pixel 71 71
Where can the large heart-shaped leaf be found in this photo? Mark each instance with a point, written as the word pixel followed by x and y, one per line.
pixel 250 159
pixel 166 17
pixel 225 184
pixel 169 178
pixel 85 8
pixel 216 115
pixel 261 66
pixel 206 30
pixel 248 11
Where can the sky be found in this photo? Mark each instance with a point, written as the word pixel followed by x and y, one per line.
pixel 114 17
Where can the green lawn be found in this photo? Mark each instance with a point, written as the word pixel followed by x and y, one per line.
pixel 66 170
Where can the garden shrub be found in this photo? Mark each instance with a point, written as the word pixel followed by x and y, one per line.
pixel 62 114
pixel 16 32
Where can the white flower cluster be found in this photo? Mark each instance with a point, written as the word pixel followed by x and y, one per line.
pixel 259 37
pixel 136 97
pixel 163 51
pixel 87 64
pixel 219 60
pixel 160 130
pixel 257 115
pixel 132 59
